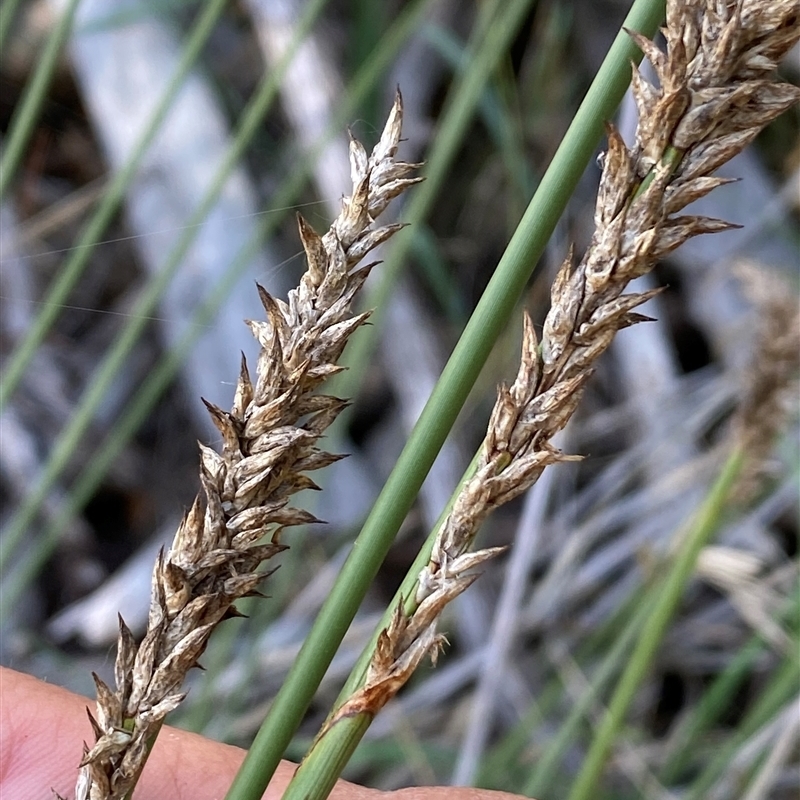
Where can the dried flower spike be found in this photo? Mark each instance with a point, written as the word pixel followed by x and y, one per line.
pixel 269 444
pixel 716 92
pixel 770 382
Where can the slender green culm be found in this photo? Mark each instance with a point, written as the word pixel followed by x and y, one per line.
pixel 715 701
pixel 327 757
pixel 778 692
pixel 596 648
pixel 446 401
pixel 493 34
pixel 90 237
pixel 159 378
pixel 27 113
pixel 7 12
pixel 543 774
pixel 699 534
pixel 137 321
pixel 54 301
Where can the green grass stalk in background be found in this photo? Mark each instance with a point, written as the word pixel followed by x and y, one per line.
pixel 139 317
pixel 780 690
pixel 7 11
pixel 717 699
pixel 462 369
pixel 490 36
pixel 160 377
pixel 699 534
pixel 494 31
pixel 27 113
pixel 542 778
pixel 90 237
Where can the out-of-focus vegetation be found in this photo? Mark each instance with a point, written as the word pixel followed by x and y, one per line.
pixel 150 169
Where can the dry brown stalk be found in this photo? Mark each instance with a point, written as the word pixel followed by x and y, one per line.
pixel 269 443
pixel 770 382
pixel 716 92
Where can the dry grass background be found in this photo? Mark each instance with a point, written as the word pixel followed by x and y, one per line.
pixel 528 637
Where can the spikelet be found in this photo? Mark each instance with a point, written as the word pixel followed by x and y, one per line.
pixel 269 444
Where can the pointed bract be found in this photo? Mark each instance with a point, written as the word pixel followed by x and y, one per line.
pixel 269 441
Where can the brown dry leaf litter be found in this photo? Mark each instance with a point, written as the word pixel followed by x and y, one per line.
pixel 269 443
pixel 715 92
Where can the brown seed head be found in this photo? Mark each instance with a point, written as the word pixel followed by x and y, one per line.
pixel 269 443
pixel 714 92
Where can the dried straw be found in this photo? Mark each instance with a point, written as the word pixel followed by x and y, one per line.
pixel 715 93
pixel 269 443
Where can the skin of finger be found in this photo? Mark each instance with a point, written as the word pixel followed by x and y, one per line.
pixel 42 727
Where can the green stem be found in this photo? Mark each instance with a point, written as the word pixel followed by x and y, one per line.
pixel 599 645
pixel 698 536
pixel 162 375
pixel 330 753
pixel 714 702
pixel 71 272
pixel 780 691
pixel 454 122
pixel 27 113
pixel 7 11
pixel 541 779
pixel 672 158
pixel 151 740
pixel 437 418
pixel 73 434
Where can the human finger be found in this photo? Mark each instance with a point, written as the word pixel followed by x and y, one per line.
pixel 42 727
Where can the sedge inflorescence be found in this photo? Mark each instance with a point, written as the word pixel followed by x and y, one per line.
pixel 715 92
pixel 269 445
